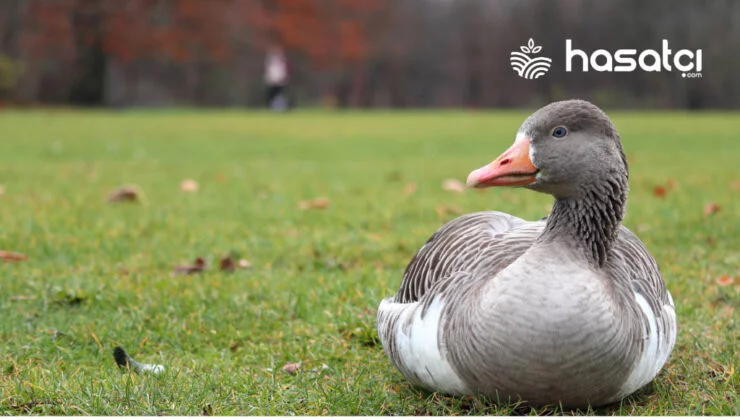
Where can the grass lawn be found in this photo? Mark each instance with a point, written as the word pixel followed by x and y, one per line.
pixel 98 275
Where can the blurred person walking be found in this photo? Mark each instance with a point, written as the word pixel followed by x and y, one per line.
pixel 276 78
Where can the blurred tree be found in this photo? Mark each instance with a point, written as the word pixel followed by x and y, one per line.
pixel 88 33
pixel 366 53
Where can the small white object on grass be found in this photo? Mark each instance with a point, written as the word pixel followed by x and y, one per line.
pixel 124 360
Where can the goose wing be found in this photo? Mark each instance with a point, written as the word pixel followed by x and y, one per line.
pixel 462 253
pixel 462 245
pixel 633 268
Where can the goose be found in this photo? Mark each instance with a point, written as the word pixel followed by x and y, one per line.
pixel 570 310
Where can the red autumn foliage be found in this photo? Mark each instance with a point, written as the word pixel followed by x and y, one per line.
pixel 329 32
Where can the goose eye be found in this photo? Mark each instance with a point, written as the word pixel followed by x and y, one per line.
pixel 559 132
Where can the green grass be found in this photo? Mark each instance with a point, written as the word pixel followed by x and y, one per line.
pixel 99 273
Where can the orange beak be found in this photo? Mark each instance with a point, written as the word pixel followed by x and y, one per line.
pixel 513 168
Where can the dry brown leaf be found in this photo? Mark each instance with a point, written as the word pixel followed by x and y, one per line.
pixel 672 184
pixel 292 367
pixel 226 264
pixel 735 185
pixel 189 185
pixel 197 266
pixel 453 185
pixel 244 263
pixel 710 209
pixel 409 189
pixel 659 191
pixel 317 203
pixel 123 194
pixel 444 210
pixel 11 256
pixel 725 280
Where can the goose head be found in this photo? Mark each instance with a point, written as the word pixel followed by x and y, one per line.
pixel 562 149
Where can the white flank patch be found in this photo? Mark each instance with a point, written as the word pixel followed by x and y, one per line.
pixel 419 349
pixel 657 346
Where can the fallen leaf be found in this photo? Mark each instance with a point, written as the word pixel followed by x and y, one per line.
pixel 226 264
pixel 197 266
pixel 444 210
pixel 409 189
pixel 122 194
pixel 12 256
pixel 659 191
pixel 710 209
pixel 453 185
pixel 244 263
pixel 188 185
pixel 292 367
pixel 672 184
pixel 317 203
pixel 725 280
pixel 735 185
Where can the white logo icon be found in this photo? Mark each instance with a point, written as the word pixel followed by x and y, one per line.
pixel 529 67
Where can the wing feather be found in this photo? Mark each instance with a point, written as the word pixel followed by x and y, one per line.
pixel 462 245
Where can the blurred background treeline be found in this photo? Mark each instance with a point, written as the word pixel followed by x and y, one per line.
pixel 356 53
